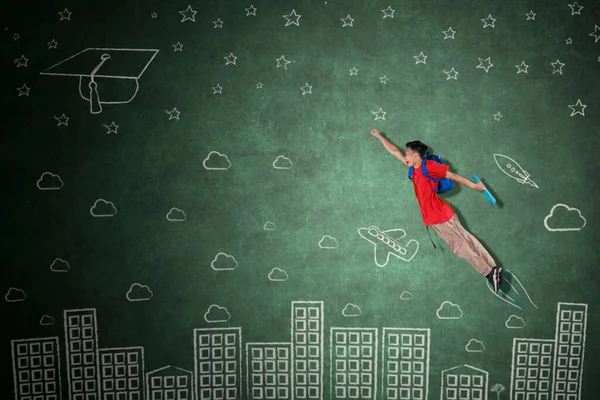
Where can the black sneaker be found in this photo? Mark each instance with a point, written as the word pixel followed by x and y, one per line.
pixel 495 278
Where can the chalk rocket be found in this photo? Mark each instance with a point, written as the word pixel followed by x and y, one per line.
pixel 512 168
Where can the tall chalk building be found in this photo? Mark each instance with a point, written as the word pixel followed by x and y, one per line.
pixel 307 345
pixel 36 369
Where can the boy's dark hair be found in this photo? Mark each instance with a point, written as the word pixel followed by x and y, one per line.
pixel 417 146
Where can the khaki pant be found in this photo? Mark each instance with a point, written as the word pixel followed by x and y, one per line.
pixel 465 245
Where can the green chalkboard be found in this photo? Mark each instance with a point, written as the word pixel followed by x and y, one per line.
pixel 194 206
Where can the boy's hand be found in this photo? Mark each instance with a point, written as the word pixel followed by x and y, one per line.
pixel 375 132
pixel 478 186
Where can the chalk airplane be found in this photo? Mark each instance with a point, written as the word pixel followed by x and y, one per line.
pixel 512 168
pixel 386 244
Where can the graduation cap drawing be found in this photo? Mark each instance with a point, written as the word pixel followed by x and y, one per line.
pixel 106 74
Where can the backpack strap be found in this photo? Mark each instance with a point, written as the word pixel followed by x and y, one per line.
pixel 424 169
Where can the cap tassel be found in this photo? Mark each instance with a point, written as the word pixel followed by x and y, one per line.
pixel 95 105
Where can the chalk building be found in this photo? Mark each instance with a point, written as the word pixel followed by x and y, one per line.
pixel 269 371
pixel 307 345
pixel 464 382
pixel 169 383
pixel 532 366
pixel 36 369
pixel 122 373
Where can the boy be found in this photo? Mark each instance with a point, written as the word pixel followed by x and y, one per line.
pixel 439 215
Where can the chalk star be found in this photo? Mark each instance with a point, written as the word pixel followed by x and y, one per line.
pixel 217 89
pixel 188 17
pixel 485 67
pixel 52 44
pixel 24 90
pixel 173 114
pixel 383 79
pixel 449 34
pixel 346 23
pixel 557 69
pixel 66 14
pixel 229 57
pixel 112 128
pixel 218 23
pixel 289 20
pixel 306 89
pixel 21 62
pixel 530 15
pixel 388 12
pixel 259 85
pixel 377 116
pixel 419 60
pixel 251 10
pixel 568 41
pixel 497 116
pixel 575 6
pixel 486 23
pixel 578 104
pixel 452 71
pixel 16 36
pixel 596 33
pixel 62 120
pixel 282 60
pixel 522 67
pixel 353 71
pixel 178 47
pixel 154 15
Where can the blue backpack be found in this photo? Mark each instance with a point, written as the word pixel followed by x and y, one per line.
pixel 443 185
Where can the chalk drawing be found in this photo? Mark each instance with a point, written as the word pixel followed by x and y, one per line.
pixel 449 33
pixel 104 64
pixel 485 67
pixel 486 21
pixel 122 372
pixel 268 370
pixel 353 71
pixel 278 275
pixel 154 15
pixel 348 21
pixel 14 295
pixel 47 320
pixel 188 14
pixel 282 62
pixel 578 104
pixel 218 24
pixel 307 331
pixel 449 310
pixel 464 382
pixel 223 262
pixel 230 59
pixel 354 363
pixel 388 12
pixel 530 15
pixel 49 181
pixel 522 67
pixel 379 114
pixel 291 16
pixel 282 162
pixel 569 41
pixel 36 368
pixel 328 242
pixel 406 296
pixel 452 74
pixel 139 292
pixel 176 215
pixel 111 128
pixel 259 85
pixel 52 44
pixel 163 383
pixel 515 322
pixel 557 67
pixel 65 15
pixel 21 62
pixel 173 114
pixel 81 343
pixel 216 161
pixel 383 79
pixel 103 208
pixel 16 36
pixel 216 313
pixel 251 10
pixel 386 244
pixel 574 226
pixel 24 90
pixel 512 168
pixel 269 226
pixel 177 46
pixel 306 89
pixel 62 120
pixel 497 116
pixel 575 8
pixel 531 368
pixel 217 89
pixel 351 310
pixel 497 388
pixel 421 58
pixel 510 292
pixel 60 265
pixel 475 346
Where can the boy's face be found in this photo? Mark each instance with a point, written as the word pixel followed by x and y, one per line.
pixel 411 157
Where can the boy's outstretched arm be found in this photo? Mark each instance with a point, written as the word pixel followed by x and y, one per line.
pixel 464 181
pixel 389 146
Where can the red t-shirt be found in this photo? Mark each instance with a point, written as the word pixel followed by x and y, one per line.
pixel 433 209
